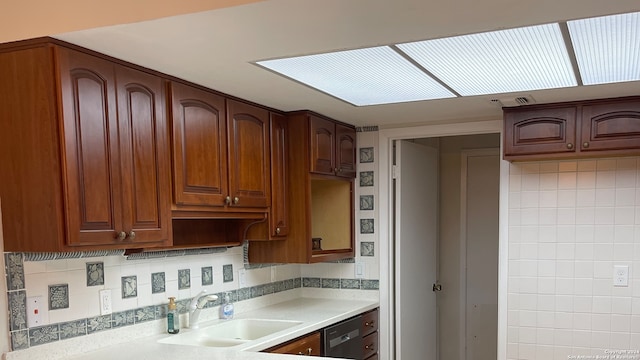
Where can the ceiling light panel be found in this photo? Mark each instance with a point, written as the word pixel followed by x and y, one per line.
pixel 522 59
pixel 362 77
pixel 607 48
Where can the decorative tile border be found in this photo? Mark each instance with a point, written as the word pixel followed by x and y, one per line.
pixel 17 310
pixel 15 271
pixel 345 284
pixel 73 329
pixel 367 128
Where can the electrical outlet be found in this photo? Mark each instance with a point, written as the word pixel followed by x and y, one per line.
pixel 621 275
pixel 359 270
pixel 35 305
pixel 273 274
pixel 242 277
pixel 105 302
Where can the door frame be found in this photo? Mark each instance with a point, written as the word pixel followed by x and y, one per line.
pixel 385 194
pixel 465 155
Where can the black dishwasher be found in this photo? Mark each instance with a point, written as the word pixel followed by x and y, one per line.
pixel 343 340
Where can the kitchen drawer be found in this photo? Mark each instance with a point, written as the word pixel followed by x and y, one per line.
pixel 369 322
pixel 369 345
pixel 307 345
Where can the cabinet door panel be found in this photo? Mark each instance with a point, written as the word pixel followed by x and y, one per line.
pixel 199 147
pixel 540 131
pixel 610 126
pixel 308 345
pixel 322 145
pixel 346 151
pixel 248 161
pixel 144 155
pixel 279 213
pixel 92 182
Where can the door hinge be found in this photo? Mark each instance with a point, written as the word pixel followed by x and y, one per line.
pixel 394 172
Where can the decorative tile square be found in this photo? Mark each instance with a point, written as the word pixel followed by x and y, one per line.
pixel 19 340
pixel 184 279
pixel 227 273
pixel 331 283
pixel 95 273
pixel 366 155
pixel 256 291
pixel 369 284
pixel 183 305
pixel 43 335
pixel 366 178
pixel 297 283
pixel 146 313
pixel 129 286
pixel 366 202
pixel 366 226
pixel 73 328
pixel 58 296
pixel 207 275
pixel 123 318
pixel 15 271
pixel 269 288
pixel 311 282
pixel 367 248
pixel 160 311
pixel 244 294
pixel 98 323
pixel 158 283
pixel 17 310
pixel 350 283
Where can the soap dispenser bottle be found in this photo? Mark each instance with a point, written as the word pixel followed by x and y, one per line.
pixel 226 310
pixel 173 318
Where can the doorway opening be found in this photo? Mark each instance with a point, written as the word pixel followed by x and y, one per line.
pixel 445 246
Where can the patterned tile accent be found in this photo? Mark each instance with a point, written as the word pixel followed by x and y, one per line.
pixel 350 283
pixel 146 313
pixel 19 340
pixel 366 202
pixel 98 323
pixel 369 284
pixel 257 291
pixel 244 294
pixel 129 286
pixel 367 248
pixel 366 226
pixel 311 282
pixel 15 271
pixel 17 310
pixel 366 178
pixel 297 283
pixel 366 155
pixel 123 318
pixel 158 283
pixel 331 283
pixel 227 273
pixel 207 275
pixel 184 279
pixel 95 273
pixel 160 311
pixel 73 328
pixel 58 296
pixel 43 335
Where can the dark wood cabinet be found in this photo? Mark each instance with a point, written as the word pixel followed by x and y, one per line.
pixel 369 333
pixel 100 129
pixel 308 345
pixel 607 127
pixel 333 150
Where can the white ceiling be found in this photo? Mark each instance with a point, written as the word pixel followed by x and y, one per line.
pixel 217 48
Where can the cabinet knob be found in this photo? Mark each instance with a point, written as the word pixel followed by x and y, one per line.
pixel 227 200
pixel 277 231
pixel 309 352
pixel 132 235
pixel 370 323
pixel 569 146
pixel 368 347
pixel 585 144
pixel 236 200
pixel 121 235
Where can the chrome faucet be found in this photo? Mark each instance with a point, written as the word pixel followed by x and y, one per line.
pixel 198 302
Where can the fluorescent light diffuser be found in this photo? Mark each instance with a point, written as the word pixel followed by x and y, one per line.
pixel 607 48
pixel 362 77
pixel 514 60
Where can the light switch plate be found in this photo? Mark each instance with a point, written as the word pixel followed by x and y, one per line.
pixel 359 270
pixel 621 275
pixel 242 277
pixel 35 306
pixel 105 302
pixel 273 273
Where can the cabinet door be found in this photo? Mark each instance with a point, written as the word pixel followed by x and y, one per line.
pixel 322 136
pixel 611 125
pixel 144 155
pixel 92 184
pixel 248 139
pixel 279 212
pixel 308 345
pixel 346 151
pixel 540 131
pixel 199 147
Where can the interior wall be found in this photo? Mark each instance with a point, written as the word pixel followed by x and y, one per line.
pixel 449 299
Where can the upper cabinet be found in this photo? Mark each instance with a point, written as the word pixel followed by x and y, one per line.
pixel 332 147
pixel 84 157
pixel 609 127
pixel 220 154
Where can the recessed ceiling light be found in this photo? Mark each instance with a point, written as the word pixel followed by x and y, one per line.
pixel 522 59
pixel 361 77
pixel 607 48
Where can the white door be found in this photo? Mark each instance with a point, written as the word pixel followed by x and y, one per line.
pixel 416 221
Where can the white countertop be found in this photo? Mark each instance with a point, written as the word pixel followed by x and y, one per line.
pixel 314 313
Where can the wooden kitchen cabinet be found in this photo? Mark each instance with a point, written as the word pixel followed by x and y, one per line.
pixel 308 345
pixel 320 206
pixel 333 150
pixel 84 152
pixel 369 333
pixel 606 127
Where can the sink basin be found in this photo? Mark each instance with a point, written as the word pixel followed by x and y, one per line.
pixel 230 333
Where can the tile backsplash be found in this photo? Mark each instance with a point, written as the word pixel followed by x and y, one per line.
pixel 570 223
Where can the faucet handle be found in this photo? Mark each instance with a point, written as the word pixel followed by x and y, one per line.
pixel 200 300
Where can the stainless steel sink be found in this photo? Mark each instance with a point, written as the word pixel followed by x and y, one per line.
pixel 230 333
